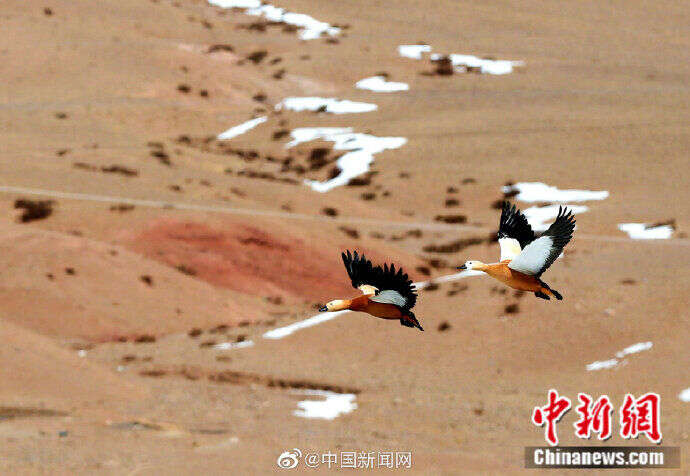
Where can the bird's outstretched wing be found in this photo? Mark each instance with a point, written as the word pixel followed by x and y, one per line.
pixel 514 232
pixel 362 273
pixel 390 286
pixel 395 288
pixel 536 257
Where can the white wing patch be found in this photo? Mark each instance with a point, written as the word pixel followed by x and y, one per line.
pixel 533 257
pixel 389 296
pixel 368 289
pixel 510 248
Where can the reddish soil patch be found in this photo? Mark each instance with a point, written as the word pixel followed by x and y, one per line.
pixel 244 258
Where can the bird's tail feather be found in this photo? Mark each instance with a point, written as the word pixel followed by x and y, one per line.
pixel 410 320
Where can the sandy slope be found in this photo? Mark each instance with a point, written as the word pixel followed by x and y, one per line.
pixel 122 99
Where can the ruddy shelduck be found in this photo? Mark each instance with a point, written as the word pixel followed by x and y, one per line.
pixel 386 293
pixel 523 256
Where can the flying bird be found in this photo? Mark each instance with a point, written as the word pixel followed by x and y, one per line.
pixel 386 293
pixel 524 258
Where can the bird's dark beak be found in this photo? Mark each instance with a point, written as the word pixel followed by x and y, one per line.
pixel 462 267
pixel 323 309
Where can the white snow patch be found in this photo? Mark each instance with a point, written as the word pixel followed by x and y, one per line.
pixel 236 3
pixel 354 163
pixel 234 345
pixel 611 363
pixel 242 128
pixel 310 28
pixel 541 217
pixel 685 395
pixel 379 84
pixel 486 66
pixel 634 349
pixel 332 105
pixel 281 332
pixel 333 405
pixel 641 231
pixel 413 51
pixel 602 364
pixel 540 192
pixel 447 278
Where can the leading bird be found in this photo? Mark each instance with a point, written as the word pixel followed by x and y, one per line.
pixel 385 293
pixel 524 258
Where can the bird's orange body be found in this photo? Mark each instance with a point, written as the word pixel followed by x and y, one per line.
pixel 377 309
pixel 516 280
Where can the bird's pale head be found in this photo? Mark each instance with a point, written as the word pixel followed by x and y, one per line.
pixel 472 264
pixel 335 305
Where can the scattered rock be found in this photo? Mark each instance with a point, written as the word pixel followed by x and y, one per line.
pixel 184 88
pixel 120 169
pixel 153 373
pixel 453 246
pixel 145 339
pixel 453 219
pixel 219 329
pixel 33 209
pixel 444 326
pixel 329 211
pixel 121 207
pixel 444 66
pixel 423 270
pixel 432 286
pixel 257 56
pixel 220 47
pixel 280 133
pixel 184 269
pixel 162 157
pixel 194 332
pixel 351 232
pixel 511 308
pixel 146 279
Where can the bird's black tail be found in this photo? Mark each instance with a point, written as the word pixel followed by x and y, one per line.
pixel 556 294
pixel 410 320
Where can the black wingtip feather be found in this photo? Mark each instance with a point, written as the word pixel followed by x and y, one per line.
pixel 514 224
pixel 561 232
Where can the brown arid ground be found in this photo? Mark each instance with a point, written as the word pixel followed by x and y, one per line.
pixel 111 305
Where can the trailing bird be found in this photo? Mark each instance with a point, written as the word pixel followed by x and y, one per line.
pixel 386 293
pixel 524 257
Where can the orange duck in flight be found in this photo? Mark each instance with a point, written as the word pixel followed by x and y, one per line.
pixel 523 257
pixel 385 293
